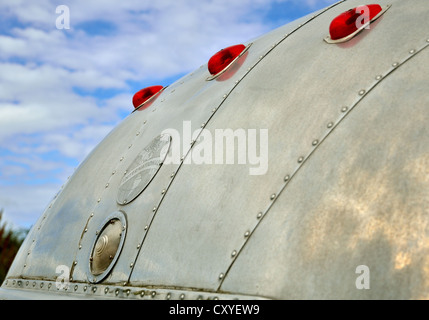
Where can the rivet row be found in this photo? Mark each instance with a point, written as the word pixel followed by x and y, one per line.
pixel 132 292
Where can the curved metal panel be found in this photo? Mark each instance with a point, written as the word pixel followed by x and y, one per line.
pixel 338 176
pixel 361 198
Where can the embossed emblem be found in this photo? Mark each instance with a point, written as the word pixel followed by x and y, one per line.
pixel 143 169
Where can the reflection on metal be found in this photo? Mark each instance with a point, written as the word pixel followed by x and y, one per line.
pixel 143 169
pixel 107 247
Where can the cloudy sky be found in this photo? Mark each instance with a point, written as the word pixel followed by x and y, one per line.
pixel 65 83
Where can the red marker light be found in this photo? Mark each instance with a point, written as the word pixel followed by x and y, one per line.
pixel 351 22
pixel 222 59
pixel 145 94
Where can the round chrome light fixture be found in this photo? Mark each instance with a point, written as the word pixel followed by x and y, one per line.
pixel 107 246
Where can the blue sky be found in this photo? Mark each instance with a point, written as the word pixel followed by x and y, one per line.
pixel 63 90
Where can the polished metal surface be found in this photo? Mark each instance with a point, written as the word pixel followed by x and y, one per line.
pixel 346 185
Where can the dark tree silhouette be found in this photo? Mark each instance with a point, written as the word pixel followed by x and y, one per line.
pixel 10 241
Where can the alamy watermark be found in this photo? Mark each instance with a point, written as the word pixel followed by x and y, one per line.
pixel 63 20
pixel 364 17
pixel 362 281
pixel 63 280
pixel 226 146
